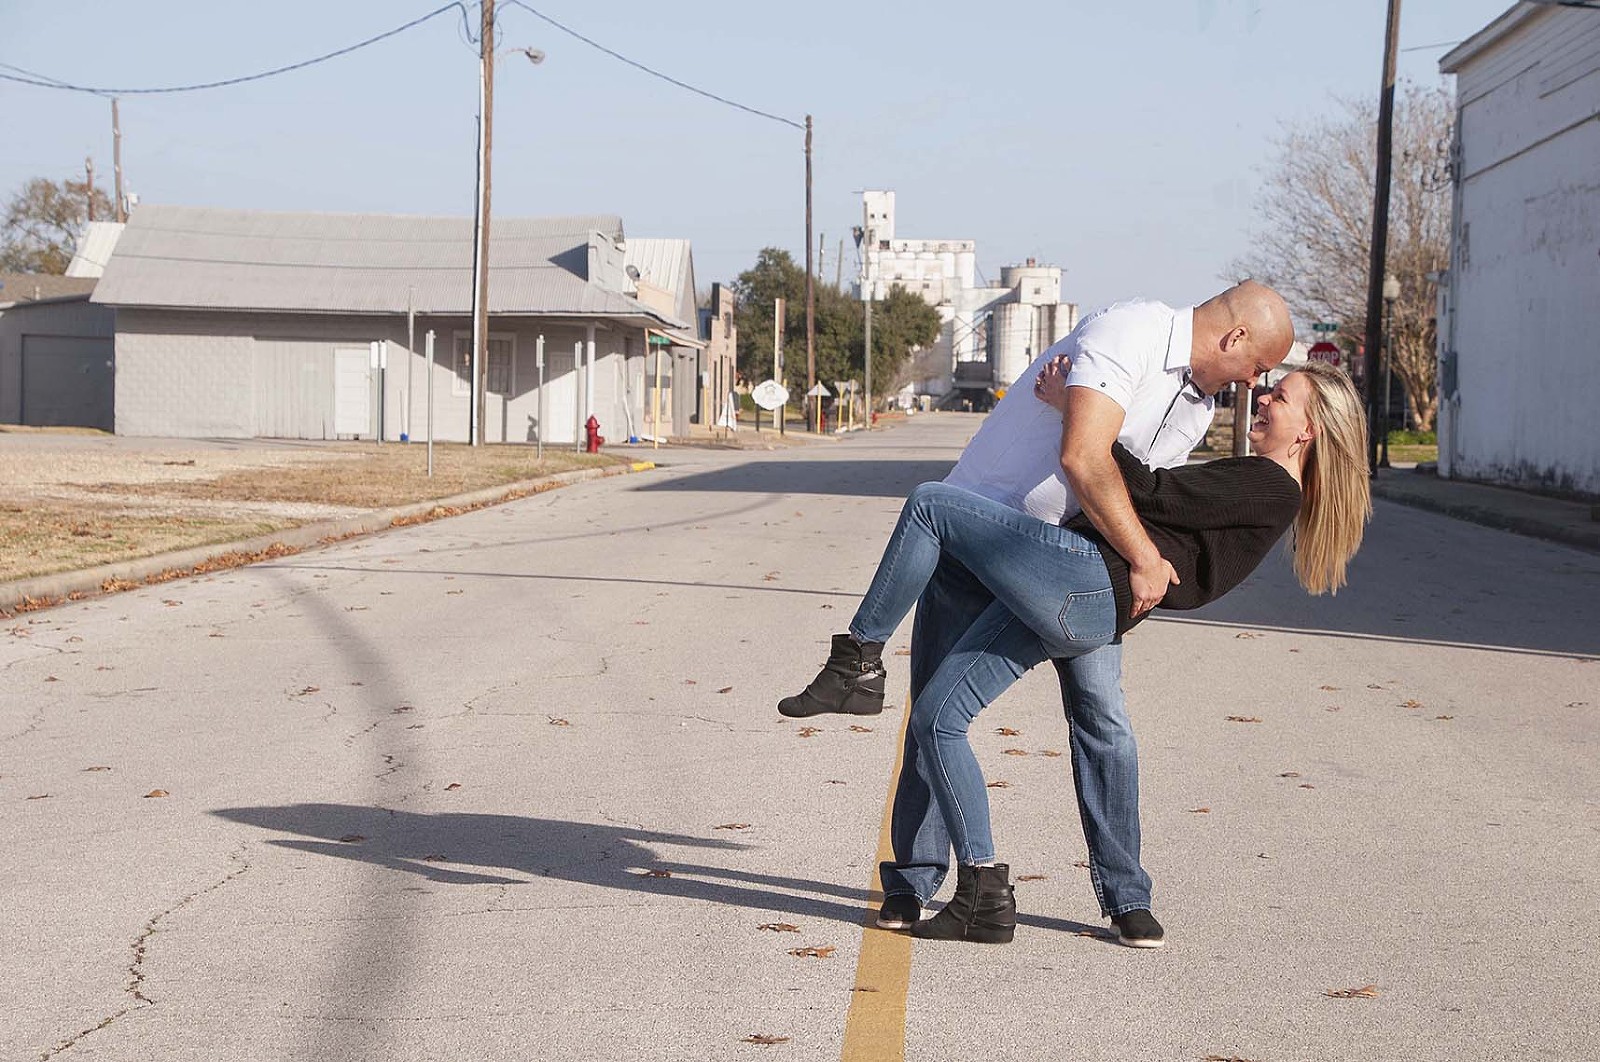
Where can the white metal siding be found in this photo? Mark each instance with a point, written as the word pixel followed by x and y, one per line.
pixel 292 386
pixel 1525 267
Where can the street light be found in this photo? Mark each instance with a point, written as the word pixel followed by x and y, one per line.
pixel 1391 293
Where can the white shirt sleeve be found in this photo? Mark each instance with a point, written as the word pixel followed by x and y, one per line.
pixel 1110 356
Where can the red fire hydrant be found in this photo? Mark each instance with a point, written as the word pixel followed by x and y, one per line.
pixel 591 429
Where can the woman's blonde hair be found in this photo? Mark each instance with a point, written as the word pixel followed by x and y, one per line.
pixel 1336 495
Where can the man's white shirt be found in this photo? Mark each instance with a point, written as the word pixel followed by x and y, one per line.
pixel 1137 354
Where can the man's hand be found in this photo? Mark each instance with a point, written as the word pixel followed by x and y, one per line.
pixel 1149 582
pixel 1051 385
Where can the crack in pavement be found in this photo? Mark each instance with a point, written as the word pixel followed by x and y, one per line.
pixel 136 975
pixel 33 724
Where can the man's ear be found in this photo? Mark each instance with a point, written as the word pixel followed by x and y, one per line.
pixel 1233 338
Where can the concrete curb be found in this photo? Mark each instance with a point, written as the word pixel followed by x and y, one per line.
pixel 46 590
pixel 1502 517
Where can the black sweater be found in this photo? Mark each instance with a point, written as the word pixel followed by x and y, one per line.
pixel 1214 523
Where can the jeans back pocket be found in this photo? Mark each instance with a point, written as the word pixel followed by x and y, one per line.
pixel 1089 617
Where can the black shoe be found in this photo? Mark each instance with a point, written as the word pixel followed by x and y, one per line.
pixel 850 683
pixel 1139 929
pixel 983 910
pixel 899 911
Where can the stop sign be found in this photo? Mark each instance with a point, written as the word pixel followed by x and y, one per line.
pixel 1324 351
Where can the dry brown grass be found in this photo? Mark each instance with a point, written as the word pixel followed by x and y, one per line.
pixel 47 538
pixel 43 535
pixel 392 475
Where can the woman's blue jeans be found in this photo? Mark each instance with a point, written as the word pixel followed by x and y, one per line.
pixel 1053 599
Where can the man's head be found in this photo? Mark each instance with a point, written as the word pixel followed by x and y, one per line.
pixel 1239 335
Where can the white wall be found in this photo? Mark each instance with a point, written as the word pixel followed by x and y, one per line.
pixel 1524 294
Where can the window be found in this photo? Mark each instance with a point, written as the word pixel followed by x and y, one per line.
pixel 502 359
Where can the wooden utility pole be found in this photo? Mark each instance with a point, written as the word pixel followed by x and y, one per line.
pixel 480 250
pixel 121 211
pixel 811 277
pixel 838 267
pixel 88 169
pixel 1380 231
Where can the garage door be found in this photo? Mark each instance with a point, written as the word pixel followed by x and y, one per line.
pixel 67 382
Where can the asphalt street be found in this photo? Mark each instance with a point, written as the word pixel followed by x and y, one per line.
pixel 512 786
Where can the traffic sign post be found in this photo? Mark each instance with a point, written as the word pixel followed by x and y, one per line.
pixel 1324 326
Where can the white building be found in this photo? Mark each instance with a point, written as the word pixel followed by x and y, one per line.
pixel 991 331
pixel 1519 320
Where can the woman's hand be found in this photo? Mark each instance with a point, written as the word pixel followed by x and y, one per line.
pixel 1051 385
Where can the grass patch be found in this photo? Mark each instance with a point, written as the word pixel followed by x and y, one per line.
pixel 393 475
pixel 55 537
pixel 41 537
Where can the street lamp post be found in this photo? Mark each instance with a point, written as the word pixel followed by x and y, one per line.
pixel 1391 294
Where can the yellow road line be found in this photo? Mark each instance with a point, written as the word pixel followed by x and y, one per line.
pixel 875 1028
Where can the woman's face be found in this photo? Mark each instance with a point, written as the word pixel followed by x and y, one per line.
pixel 1282 417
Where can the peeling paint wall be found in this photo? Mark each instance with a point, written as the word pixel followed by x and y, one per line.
pixel 1524 290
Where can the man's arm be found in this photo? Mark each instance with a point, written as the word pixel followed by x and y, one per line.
pixel 1090 424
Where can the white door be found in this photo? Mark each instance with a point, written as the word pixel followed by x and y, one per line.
pixel 352 391
pixel 562 414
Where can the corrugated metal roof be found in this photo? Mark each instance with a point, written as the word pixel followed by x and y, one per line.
pixel 207 258
pixel 30 287
pixel 662 262
pixel 95 244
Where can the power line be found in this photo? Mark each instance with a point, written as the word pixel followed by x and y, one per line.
pixel 653 73
pixel 1429 47
pixel 40 80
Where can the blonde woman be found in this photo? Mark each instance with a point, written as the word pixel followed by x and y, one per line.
pixel 1062 591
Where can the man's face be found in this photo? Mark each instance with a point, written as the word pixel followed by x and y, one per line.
pixel 1237 361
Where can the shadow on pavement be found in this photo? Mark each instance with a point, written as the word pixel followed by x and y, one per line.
pixel 1428 579
pixel 857 479
pixel 517 850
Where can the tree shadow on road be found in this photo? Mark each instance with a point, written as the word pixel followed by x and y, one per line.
pixel 452 848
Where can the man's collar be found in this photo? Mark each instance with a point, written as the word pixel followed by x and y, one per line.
pixel 1180 343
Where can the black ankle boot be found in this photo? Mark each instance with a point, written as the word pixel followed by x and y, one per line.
pixel 851 682
pixel 983 910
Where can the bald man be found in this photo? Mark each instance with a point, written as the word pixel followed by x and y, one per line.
pixel 1144 374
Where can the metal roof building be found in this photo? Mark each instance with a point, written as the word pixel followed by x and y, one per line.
pixel 304 325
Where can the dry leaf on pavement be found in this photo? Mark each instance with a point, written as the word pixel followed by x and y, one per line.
pixel 156 793
pixel 97 768
pixel 1444 717
pixel 1411 702
pixel 859 729
pixel 1015 752
pixel 1226 1058
pixel 732 826
pixel 1083 863
pixel 726 689
pixel 763 1038
pixel 1330 689
pixel 351 838
pixel 1030 877
pixel 824 952
pixel 1290 774
pixel 779 927
pixel 1006 731
pixel 902 652
pixel 1052 753
pixel 1359 992
pixel 558 722
pixel 1199 811
pixel 657 874
pixel 809 731
pixel 1247 634
pixel 1244 718
pixel 452 787
pixel 999 785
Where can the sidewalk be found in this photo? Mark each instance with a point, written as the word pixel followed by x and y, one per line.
pixel 1569 522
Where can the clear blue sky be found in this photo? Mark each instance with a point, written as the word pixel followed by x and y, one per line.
pixel 1122 142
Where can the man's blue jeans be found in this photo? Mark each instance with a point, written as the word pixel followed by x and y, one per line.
pixel 1105 762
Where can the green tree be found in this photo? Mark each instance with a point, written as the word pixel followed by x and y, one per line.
pixel 42 223
pixel 901 323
